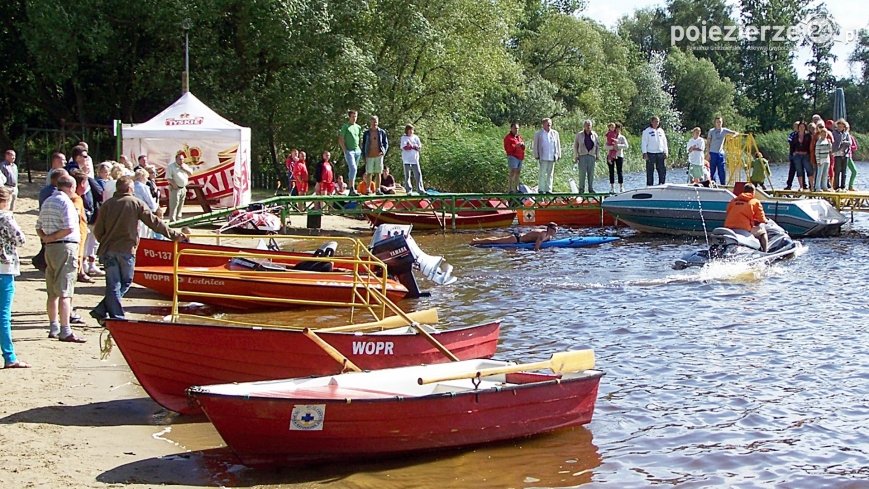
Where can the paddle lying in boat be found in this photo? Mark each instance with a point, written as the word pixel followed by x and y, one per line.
pixel 561 362
pixel 579 242
pixel 167 358
pixel 365 415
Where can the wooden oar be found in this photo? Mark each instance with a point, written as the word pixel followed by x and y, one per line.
pixel 331 351
pixel 561 362
pixel 426 316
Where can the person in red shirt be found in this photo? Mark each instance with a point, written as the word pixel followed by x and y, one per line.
pixel 300 175
pixel 290 163
pixel 325 176
pixel 514 146
pixel 745 213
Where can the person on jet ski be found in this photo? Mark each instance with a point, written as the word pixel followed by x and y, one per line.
pixel 745 213
pixel 538 237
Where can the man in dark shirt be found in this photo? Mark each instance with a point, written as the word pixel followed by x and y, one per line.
pixel 117 230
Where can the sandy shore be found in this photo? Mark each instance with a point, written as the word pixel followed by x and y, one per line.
pixel 75 419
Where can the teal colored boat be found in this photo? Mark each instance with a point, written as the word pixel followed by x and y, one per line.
pixel 689 210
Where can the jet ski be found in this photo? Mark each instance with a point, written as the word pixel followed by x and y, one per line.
pixel 740 246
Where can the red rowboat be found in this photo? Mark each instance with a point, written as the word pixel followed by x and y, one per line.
pixel 365 415
pixel 429 214
pixel 583 214
pixel 167 358
pixel 248 285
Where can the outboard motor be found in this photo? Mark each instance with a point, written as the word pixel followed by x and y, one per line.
pixel 393 245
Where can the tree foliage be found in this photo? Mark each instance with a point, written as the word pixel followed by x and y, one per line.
pixel 290 69
pixel 698 92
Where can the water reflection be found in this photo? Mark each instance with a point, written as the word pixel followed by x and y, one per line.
pixel 566 458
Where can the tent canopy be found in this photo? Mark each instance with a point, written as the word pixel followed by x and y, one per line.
pixel 217 149
pixel 187 116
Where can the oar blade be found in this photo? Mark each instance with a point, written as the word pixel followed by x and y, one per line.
pixel 572 361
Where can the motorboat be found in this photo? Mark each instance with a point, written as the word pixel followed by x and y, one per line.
pixel 392 244
pixel 251 283
pixel 741 247
pixel 394 412
pixel 167 357
pixel 682 209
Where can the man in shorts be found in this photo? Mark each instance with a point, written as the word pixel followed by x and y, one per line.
pixel 514 146
pixel 375 144
pixel 58 227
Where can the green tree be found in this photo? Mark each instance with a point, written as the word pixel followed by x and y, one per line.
pixel 653 99
pixel 647 29
pixel 706 14
pixel 820 81
pixel 587 64
pixel 698 92
pixel 768 78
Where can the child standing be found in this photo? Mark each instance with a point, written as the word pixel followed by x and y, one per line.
pixel 300 176
pixel 325 176
pixel 290 164
pixel 759 171
pixel 696 148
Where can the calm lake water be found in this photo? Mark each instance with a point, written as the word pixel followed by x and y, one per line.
pixel 718 377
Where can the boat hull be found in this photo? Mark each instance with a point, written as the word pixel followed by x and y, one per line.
pixel 167 358
pixel 252 289
pixel 414 213
pixel 259 429
pixel 579 215
pixel 160 252
pixel 689 210
pixel 577 242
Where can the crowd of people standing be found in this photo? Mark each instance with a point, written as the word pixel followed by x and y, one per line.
pixel 821 155
pixel 365 150
pixel 87 216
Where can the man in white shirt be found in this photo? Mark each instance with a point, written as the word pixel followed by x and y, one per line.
pixel 178 175
pixel 547 150
pixel 410 146
pixel 655 152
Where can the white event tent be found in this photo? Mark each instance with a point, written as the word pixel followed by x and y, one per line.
pixel 217 149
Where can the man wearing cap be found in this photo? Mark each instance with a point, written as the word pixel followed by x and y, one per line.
pixel 178 175
pixel 745 213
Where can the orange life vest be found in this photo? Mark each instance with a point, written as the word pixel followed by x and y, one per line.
pixel 744 212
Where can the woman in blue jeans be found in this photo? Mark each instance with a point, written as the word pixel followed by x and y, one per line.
pixel 11 237
pixel 801 145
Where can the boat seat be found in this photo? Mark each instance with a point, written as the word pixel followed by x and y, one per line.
pixel 326 250
pixel 740 236
pixel 258 265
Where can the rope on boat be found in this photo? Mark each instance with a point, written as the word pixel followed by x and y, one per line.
pixel 106 345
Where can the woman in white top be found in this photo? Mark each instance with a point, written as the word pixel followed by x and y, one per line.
pixel 696 149
pixel 143 193
pixel 410 146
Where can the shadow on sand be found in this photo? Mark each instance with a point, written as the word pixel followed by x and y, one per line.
pixel 121 412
